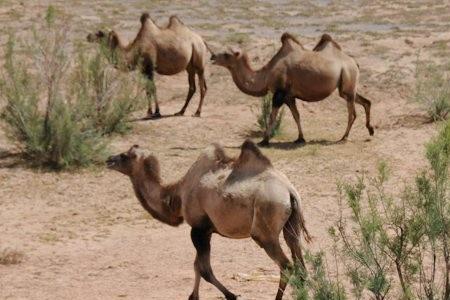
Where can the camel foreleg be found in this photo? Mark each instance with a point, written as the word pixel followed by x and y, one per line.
pixel 201 238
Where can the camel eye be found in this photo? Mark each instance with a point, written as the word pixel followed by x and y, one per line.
pixel 123 156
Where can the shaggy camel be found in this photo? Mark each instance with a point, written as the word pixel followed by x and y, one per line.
pixel 168 51
pixel 295 72
pixel 236 198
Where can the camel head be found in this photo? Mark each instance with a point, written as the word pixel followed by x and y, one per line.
pixel 109 39
pixel 111 47
pixel 228 58
pixel 133 161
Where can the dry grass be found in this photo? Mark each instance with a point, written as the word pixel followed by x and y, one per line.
pixel 10 257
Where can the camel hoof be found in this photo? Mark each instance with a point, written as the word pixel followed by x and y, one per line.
pixel 371 130
pixel 197 114
pixel 178 114
pixel 300 142
pixel 156 115
pixel 231 297
pixel 264 143
pixel 192 297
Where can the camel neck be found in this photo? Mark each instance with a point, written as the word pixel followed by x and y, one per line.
pixel 162 202
pixel 249 81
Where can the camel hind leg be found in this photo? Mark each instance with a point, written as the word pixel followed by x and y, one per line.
pixel 366 104
pixel 203 89
pixel 191 79
pixel 268 221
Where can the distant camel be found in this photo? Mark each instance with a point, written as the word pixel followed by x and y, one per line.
pixel 168 51
pixel 237 199
pixel 295 72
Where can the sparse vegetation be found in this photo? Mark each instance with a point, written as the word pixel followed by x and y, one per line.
pixel 263 116
pixel 58 113
pixel 10 257
pixel 433 89
pixel 391 245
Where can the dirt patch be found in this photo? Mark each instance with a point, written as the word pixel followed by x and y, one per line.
pixel 84 235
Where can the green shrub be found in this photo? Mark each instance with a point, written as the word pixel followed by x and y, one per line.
pixel 60 105
pixel 318 285
pixel 263 116
pixel 392 247
pixel 433 90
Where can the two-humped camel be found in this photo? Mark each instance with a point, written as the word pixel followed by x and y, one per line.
pixel 168 51
pixel 236 198
pixel 295 72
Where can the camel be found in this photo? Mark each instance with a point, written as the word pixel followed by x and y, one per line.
pixel 235 198
pixel 297 73
pixel 168 51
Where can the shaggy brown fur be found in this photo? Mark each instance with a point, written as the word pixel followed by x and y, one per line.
pixel 238 198
pixel 167 50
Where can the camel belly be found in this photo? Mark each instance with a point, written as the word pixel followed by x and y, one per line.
pixel 233 222
pixel 313 83
pixel 172 61
pixel 231 217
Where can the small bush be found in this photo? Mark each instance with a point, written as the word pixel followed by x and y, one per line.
pixel 263 116
pixel 318 285
pixel 60 106
pixel 10 257
pixel 433 90
pixel 392 247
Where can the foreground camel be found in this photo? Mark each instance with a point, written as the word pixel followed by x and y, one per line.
pixel 168 51
pixel 295 72
pixel 237 199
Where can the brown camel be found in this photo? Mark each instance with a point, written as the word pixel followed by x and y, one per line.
pixel 168 51
pixel 295 72
pixel 236 198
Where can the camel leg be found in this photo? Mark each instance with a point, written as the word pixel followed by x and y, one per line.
pixel 195 292
pixel 192 88
pixel 293 107
pixel 150 88
pixel 366 104
pixel 273 249
pixel 201 239
pixel 351 114
pixel 203 88
pixel 277 101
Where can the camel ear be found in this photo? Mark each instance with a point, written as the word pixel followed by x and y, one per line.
pixel 132 152
pixel 236 52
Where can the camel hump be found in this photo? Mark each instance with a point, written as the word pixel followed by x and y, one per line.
pixel 325 39
pixel 216 153
pixel 287 36
pixel 144 17
pixel 251 162
pixel 174 20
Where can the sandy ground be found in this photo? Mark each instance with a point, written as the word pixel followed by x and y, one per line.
pixel 84 234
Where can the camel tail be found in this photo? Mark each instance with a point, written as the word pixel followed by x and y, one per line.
pixel 297 220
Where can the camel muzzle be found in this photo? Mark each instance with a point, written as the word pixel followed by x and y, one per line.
pixel 112 161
